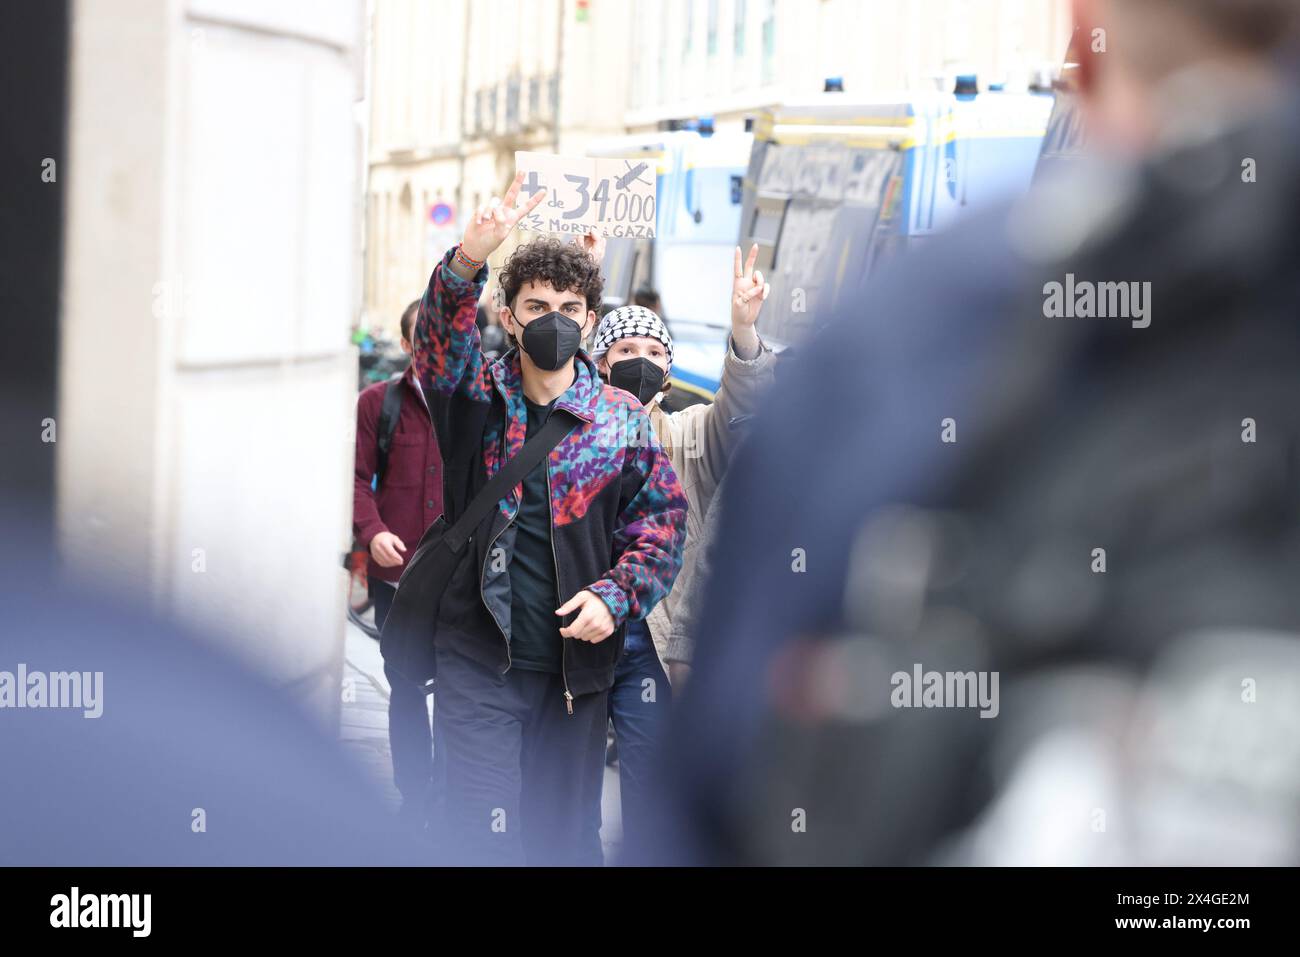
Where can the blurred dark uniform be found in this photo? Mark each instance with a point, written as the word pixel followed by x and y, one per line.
pixel 183 727
pixel 1072 434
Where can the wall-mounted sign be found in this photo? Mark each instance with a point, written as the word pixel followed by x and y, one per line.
pixel 442 213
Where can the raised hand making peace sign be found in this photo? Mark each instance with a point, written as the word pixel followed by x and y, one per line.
pixel 492 222
pixel 747 295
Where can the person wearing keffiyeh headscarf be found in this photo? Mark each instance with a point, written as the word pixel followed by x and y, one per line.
pixel 633 350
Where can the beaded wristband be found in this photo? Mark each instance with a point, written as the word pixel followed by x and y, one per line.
pixel 466 261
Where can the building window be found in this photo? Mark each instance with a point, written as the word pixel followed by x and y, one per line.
pixel 769 43
pixel 738 34
pixel 661 74
pixel 711 38
pixel 512 104
pixel 638 68
pixel 688 21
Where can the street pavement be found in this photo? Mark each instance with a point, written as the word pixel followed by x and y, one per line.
pixel 364 730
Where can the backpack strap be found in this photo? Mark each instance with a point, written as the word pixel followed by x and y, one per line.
pixel 389 413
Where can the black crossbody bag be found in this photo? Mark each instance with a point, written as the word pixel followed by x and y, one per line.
pixel 407 639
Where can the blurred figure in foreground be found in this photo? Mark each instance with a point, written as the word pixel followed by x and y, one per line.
pixel 134 742
pixel 1024 588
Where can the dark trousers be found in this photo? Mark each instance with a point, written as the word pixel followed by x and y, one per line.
pixel 410 736
pixel 638 705
pixel 517 775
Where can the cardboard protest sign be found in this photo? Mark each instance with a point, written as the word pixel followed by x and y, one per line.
pixel 615 197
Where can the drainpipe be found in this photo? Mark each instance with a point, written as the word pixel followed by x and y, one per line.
pixel 559 76
pixel 464 92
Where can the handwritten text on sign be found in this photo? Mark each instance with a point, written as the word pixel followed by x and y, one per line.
pixel 615 197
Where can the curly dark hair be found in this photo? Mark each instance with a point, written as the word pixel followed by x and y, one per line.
pixel 566 267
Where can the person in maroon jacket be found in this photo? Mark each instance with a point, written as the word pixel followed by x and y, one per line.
pixel 388 518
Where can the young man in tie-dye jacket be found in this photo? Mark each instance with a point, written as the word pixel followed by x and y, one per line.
pixel 531 625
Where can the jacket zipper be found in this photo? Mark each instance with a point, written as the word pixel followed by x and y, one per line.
pixel 550 517
pixel 510 661
pixel 483 597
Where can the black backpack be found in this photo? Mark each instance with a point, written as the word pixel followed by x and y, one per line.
pixel 389 413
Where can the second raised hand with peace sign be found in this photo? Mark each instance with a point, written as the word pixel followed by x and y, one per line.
pixel 748 292
pixel 492 222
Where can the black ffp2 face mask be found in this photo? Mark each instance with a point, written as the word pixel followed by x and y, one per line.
pixel 551 340
pixel 640 376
